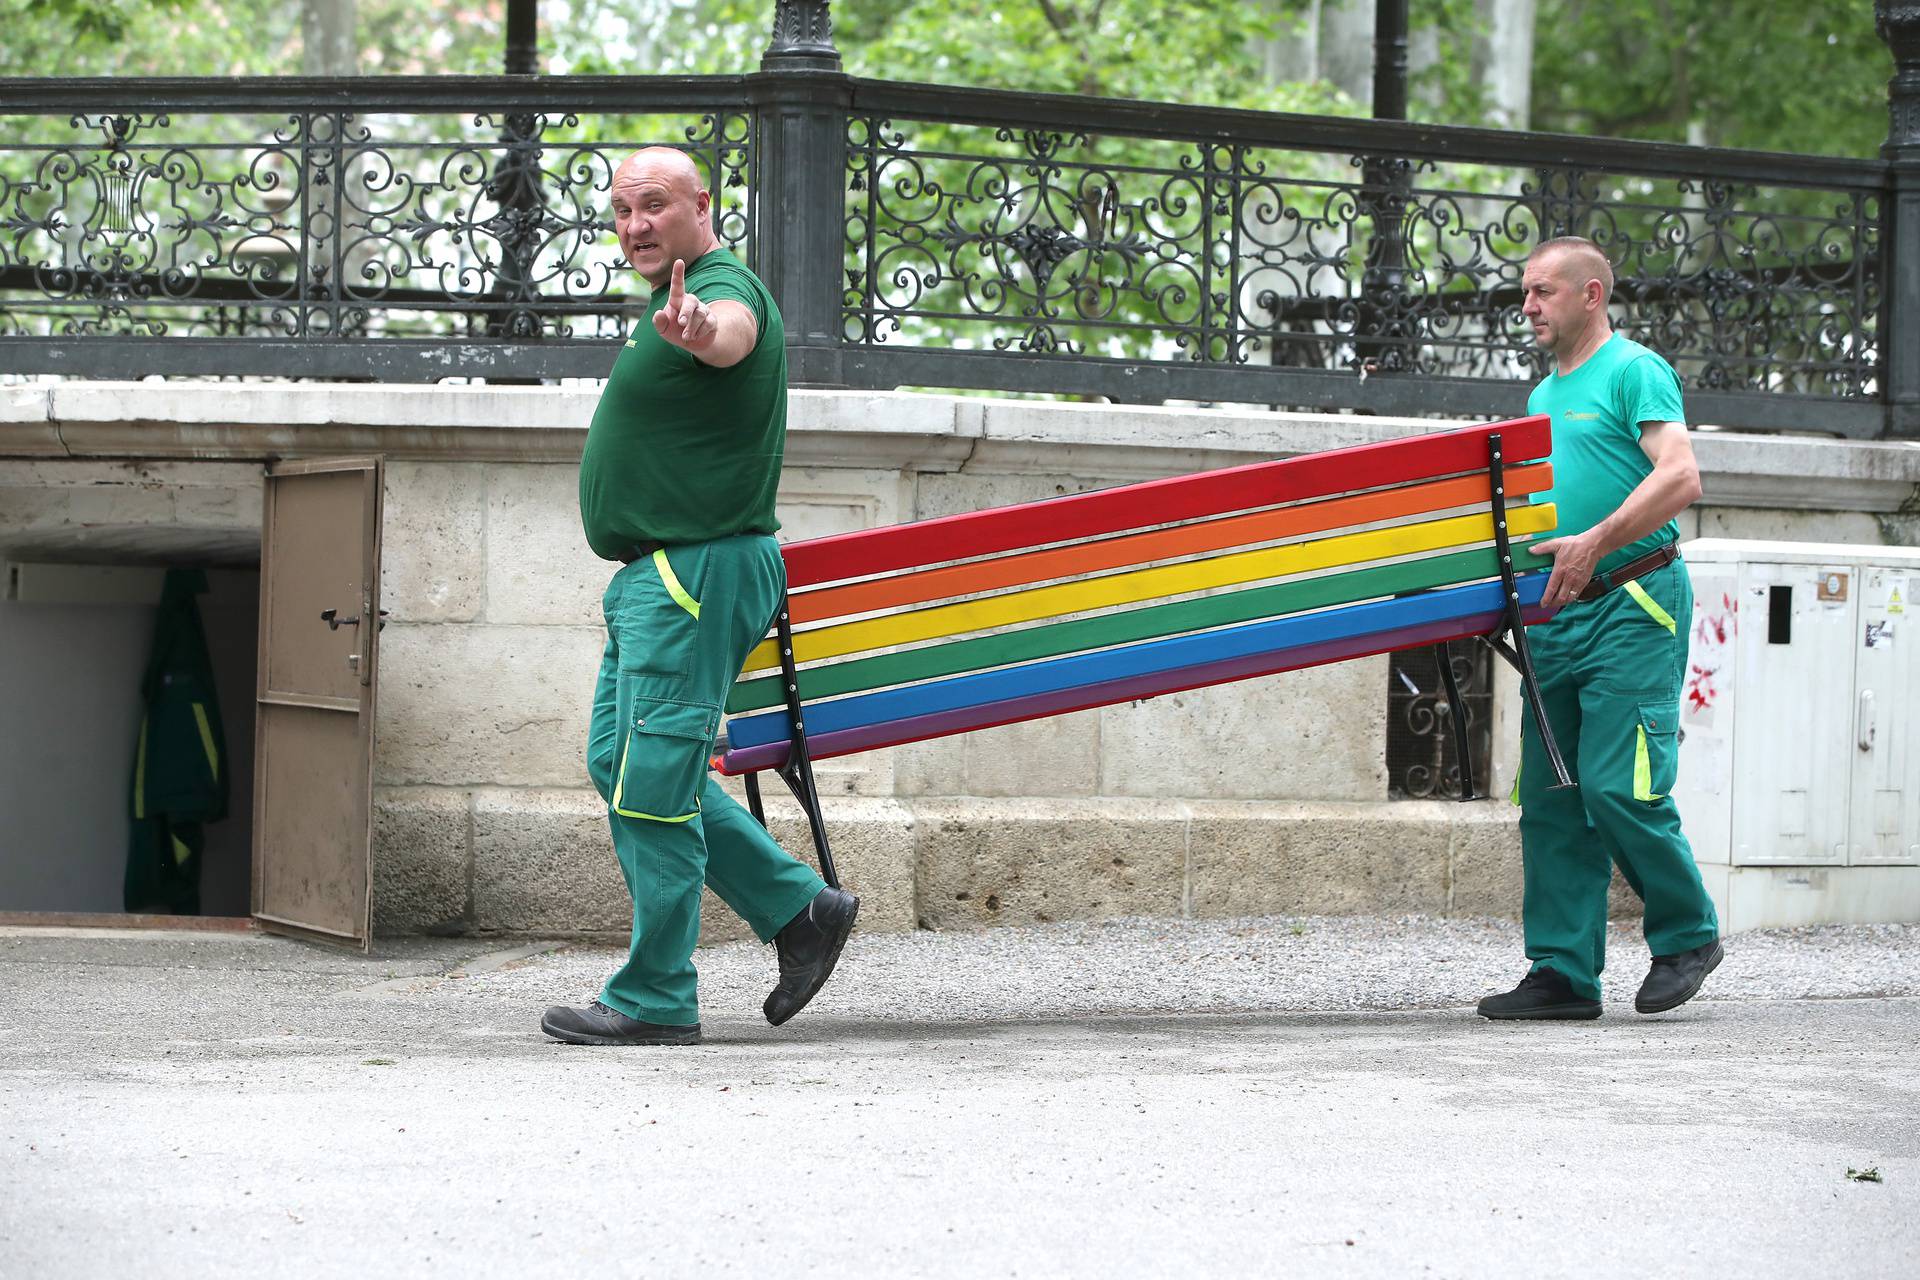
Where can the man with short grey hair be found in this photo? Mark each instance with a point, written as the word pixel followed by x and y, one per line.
pixel 1610 662
pixel 677 482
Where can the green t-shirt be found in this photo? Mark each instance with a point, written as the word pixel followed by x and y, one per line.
pixel 680 451
pixel 1597 460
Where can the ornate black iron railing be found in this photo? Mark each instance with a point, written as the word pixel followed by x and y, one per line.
pixel 369 228
pixel 1241 256
pixel 923 236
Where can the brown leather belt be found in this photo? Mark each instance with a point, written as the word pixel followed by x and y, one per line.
pixel 645 547
pixel 1659 558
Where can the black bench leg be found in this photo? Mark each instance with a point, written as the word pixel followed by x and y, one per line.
pixel 1518 655
pixel 797 772
pixel 799 780
pixel 1457 713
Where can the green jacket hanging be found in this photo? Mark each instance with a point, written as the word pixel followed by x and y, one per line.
pixel 179 762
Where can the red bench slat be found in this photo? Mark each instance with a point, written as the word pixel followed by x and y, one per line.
pixel 1085 515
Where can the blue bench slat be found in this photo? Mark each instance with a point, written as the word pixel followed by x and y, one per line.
pixel 1106 665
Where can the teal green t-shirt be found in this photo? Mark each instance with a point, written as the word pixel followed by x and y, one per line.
pixel 680 451
pixel 1597 460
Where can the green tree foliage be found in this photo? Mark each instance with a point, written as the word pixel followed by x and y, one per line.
pixel 1195 51
pixel 85 22
pixel 1809 76
pixel 149 38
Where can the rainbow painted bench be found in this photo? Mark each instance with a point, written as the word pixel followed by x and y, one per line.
pixel 915 631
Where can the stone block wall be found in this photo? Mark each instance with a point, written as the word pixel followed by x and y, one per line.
pixel 1264 797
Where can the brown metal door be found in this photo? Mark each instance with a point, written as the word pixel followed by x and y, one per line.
pixel 319 643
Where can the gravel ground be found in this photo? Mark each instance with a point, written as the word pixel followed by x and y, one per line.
pixel 1146 966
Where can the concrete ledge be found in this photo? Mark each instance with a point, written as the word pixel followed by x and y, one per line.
pixel 1317 859
pixel 422 860
pixel 1483 863
pixel 543 862
pixel 539 860
pixel 980 862
pixel 900 430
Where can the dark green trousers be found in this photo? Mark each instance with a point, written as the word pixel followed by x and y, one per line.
pixel 1610 672
pixel 679 627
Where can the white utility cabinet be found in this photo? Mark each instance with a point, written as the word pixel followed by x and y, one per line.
pixel 1799 783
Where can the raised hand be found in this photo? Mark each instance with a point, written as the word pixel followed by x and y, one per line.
pixel 685 321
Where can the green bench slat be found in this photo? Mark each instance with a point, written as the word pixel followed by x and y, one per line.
pixel 1244 605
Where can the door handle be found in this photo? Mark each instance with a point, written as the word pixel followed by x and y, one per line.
pixel 335 622
pixel 1864 729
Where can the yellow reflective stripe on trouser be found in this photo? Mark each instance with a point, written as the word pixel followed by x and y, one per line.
pixel 620 782
pixel 1647 602
pixel 181 851
pixel 1642 767
pixel 672 583
pixel 206 739
pixel 140 773
pixel 1514 799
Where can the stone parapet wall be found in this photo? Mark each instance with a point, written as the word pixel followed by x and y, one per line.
pixel 1269 796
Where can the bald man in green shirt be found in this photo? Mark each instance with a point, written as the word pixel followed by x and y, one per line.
pixel 1610 662
pixel 677 483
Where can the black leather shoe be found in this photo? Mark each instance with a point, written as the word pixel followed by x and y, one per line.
pixel 1674 980
pixel 808 947
pixel 599 1024
pixel 1544 993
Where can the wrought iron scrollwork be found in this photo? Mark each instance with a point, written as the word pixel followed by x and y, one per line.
pixel 1422 763
pixel 969 236
pixel 329 225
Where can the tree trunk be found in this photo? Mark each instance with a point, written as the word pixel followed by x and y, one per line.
pixel 1346 47
pixel 1503 59
pixel 1293 55
pixel 328 47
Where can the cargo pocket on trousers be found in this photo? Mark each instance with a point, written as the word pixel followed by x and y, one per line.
pixel 664 760
pixel 1656 750
pixel 659 618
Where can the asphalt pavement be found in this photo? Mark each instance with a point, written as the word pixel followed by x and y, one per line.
pixel 1138 1097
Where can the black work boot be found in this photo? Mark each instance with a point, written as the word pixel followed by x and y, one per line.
pixel 600 1024
pixel 1674 980
pixel 808 947
pixel 1544 993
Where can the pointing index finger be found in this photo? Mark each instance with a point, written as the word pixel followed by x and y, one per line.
pixel 679 286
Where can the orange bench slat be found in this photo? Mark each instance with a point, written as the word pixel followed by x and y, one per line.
pixel 1155 502
pixel 977 576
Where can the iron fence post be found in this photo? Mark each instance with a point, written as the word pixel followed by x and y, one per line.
pixel 1387 334
pixel 514 186
pixel 802 100
pixel 1899 25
